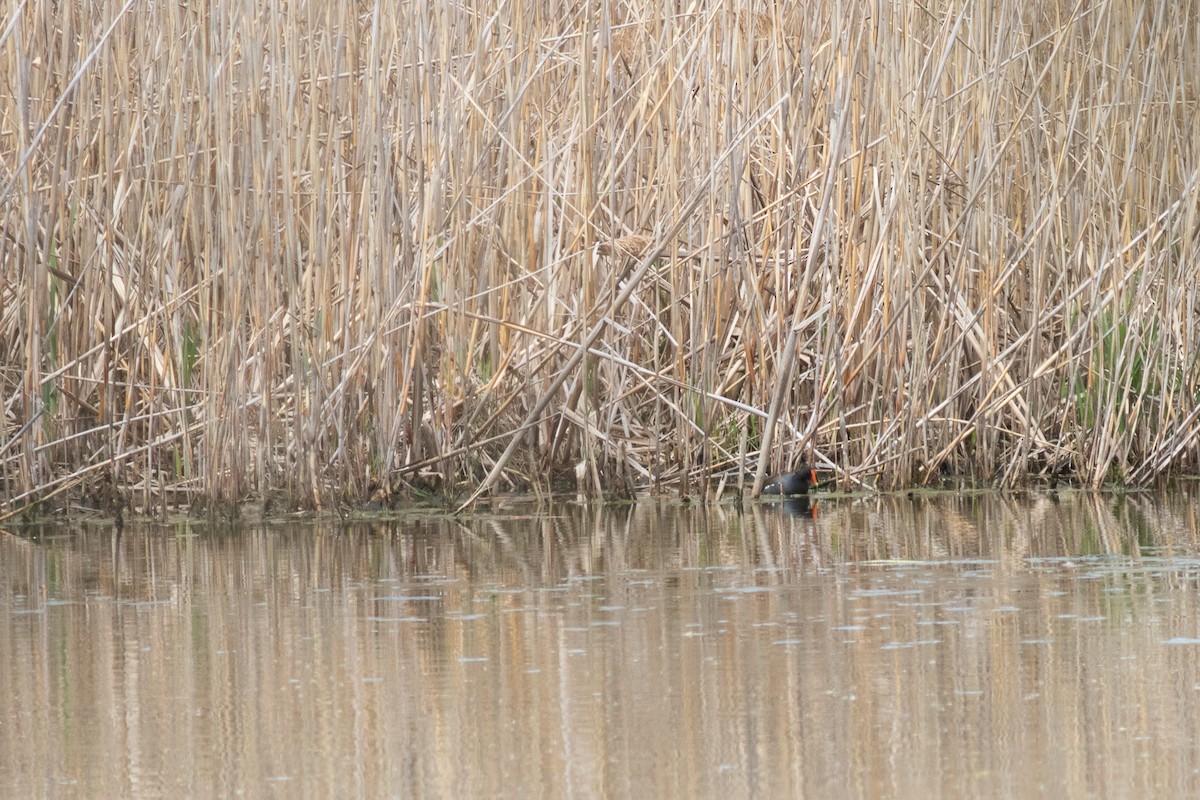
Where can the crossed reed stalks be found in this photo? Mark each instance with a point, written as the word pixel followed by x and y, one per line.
pixel 329 252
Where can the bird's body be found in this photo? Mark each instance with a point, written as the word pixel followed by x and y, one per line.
pixel 792 483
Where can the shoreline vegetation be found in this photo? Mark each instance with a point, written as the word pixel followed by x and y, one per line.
pixel 319 255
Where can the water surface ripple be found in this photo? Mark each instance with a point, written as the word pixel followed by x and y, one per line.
pixel 948 646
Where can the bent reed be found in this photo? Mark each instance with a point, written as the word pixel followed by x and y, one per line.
pixel 321 254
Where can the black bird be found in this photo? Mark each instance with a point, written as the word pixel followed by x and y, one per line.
pixel 792 483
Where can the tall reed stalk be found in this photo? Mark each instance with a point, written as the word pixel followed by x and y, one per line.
pixel 320 253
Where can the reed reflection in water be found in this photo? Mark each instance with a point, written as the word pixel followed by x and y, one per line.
pixel 946 647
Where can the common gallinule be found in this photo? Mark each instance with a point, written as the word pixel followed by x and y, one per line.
pixel 792 483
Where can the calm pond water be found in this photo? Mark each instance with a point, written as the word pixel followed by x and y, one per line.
pixel 939 647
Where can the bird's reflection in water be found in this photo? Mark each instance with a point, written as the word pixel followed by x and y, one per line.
pixel 800 507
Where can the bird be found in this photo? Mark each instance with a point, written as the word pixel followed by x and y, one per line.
pixel 792 483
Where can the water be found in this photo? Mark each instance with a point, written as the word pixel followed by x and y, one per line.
pixel 892 648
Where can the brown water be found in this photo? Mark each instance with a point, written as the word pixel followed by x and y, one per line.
pixel 947 647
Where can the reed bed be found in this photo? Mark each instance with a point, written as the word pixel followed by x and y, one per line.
pixel 317 254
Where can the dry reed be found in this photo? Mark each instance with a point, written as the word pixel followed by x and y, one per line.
pixel 323 253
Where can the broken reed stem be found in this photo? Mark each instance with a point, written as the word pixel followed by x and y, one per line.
pixel 627 287
pixel 255 252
